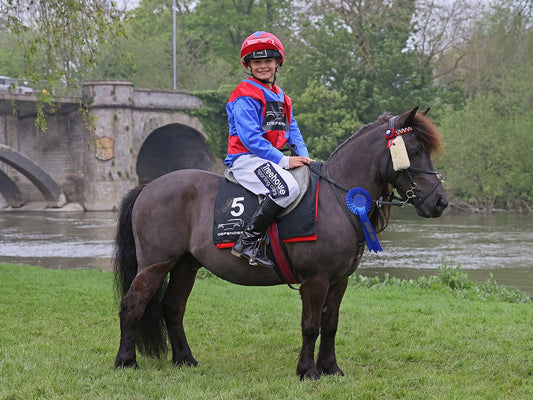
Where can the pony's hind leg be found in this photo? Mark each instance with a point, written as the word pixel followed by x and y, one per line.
pixel 179 287
pixel 132 308
pixel 313 293
pixel 326 361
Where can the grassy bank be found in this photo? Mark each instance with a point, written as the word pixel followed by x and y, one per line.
pixel 438 338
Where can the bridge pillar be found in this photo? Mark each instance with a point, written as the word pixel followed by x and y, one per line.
pixel 137 131
pixel 109 167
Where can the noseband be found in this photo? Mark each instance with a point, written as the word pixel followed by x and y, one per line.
pixel 410 195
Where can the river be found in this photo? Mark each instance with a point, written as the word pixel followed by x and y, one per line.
pixel 497 244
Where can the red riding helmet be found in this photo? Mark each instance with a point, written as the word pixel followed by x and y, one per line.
pixel 261 44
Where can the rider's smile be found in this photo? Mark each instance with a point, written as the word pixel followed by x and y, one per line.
pixel 264 68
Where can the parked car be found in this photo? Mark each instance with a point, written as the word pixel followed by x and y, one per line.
pixel 11 85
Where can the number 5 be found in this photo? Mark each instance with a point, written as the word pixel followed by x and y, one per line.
pixel 237 206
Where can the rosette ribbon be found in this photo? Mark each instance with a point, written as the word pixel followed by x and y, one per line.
pixel 359 202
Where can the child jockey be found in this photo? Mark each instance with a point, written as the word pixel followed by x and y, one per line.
pixel 261 122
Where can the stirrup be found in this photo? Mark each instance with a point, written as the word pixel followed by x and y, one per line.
pixel 253 262
pixel 251 254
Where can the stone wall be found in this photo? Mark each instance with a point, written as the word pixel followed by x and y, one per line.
pixel 95 162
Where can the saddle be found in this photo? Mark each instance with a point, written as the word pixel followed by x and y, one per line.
pixel 301 175
pixel 235 205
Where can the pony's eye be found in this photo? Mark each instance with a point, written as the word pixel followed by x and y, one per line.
pixel 415 153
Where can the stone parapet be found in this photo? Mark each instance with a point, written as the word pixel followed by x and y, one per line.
pixel 165 100
pixel 107 93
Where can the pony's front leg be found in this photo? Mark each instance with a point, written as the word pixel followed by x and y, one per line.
pixel 313 293
pixel 326 360
pixel 132 308
pixel 174 303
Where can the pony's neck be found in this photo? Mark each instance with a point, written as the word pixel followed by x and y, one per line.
pixel 356 162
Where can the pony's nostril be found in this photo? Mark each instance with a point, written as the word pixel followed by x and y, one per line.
pixel 442 203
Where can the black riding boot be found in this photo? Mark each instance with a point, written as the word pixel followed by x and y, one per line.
pixel 247 245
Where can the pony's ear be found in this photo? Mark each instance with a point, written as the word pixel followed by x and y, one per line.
pixel 408 117
pixel 426 112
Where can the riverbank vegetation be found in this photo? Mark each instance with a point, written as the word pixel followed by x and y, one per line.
pixel 347 62
pixel 443 337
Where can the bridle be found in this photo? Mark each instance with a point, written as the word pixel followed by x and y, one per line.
pixel 410 194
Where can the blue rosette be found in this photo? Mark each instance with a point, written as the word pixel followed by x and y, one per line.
pixel 359 202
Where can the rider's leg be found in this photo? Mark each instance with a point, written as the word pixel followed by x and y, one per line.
pixel 247 245
pixel 280 188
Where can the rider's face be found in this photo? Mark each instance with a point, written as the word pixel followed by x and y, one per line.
pixel 264 68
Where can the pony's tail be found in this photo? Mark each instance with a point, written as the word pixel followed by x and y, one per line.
pixel 151 335
pixel 125 266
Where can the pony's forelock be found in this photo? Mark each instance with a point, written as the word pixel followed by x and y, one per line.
pixel 427 134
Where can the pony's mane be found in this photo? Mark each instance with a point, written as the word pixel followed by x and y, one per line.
pixel 361 131
pixel 425 131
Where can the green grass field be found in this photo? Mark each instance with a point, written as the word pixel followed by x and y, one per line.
pixel 444 338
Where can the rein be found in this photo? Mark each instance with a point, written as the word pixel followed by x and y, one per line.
pixel 336 185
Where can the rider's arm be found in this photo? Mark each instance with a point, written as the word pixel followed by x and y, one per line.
pixel 295 138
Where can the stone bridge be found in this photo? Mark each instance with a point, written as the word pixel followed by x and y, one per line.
pixel 128 136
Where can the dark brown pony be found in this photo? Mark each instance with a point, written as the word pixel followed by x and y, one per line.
pixel 165 228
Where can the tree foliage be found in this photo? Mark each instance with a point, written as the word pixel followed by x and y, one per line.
pixel 487 158
pixel 325 118
pixel 60 39
pixel 346 63
pixel 359 49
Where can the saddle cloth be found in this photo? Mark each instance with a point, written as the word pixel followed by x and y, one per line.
pixel 234 207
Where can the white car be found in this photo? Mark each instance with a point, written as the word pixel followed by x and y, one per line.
pixel 11 85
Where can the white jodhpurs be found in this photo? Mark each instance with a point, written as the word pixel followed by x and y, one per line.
pixel 263 177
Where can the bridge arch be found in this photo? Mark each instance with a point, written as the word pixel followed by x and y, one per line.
pixel 44 182
pixel 10 191
pixel 171 142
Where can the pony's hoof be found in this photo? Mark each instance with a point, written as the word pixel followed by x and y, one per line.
pixel 332 369
pixel 120 363
pixel 132 365
pixel 188 361
pixel 311 375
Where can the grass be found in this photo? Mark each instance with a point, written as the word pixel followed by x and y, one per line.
pixel 426 339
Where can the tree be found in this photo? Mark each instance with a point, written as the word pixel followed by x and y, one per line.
pixel 324 119
pixel 11 58
pixel 60 39
pixel 360 49
pixel 441 33
pixel 485 156
pixel 209 35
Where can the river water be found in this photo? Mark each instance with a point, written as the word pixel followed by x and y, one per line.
pixel 500 244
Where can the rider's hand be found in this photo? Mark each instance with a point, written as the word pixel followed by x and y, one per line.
pixel 298 161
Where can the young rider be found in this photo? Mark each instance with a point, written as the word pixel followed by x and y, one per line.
pixel 260 123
